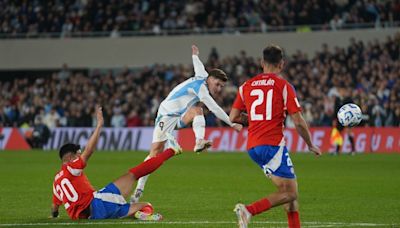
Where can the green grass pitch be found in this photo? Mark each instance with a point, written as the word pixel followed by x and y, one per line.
pixel 193 190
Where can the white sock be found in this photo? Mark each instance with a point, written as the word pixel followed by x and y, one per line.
pixel 199 126
pixel 142 181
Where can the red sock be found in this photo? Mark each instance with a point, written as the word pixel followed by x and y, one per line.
pixel 259 206
pixel 152 164
pixel 293 219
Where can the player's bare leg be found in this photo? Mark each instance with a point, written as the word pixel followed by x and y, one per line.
pixel 195 115
pixel 286 194
pixel 156 148
pixel 287 191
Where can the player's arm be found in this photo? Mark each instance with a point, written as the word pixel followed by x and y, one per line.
pixel 54 210
pixel 91 146
pixel 237 115
pixel 212 105
pixel 304 131
pixel 57 201
pixel 293 108
pixel 199 69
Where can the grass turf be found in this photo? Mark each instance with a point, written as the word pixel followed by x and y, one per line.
pixel 201 190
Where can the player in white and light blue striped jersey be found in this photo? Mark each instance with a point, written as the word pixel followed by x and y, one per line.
pixel 179 109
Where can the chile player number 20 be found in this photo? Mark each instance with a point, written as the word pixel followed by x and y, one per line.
pixel 70 193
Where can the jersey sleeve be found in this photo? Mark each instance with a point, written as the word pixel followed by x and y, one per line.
pixel 205 97
pixel 291 102
pixel 199 69
pixel 76 166
pixel 239 101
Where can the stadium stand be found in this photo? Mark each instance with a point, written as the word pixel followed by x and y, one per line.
pixel 111 17
pixel 366 72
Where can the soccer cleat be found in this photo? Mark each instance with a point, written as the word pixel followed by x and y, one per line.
pixel 173 144
pixel 202 145
pixel 136 196
pixel 148 217
pixel 242 214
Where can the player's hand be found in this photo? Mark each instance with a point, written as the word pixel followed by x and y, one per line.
pixel 54 215
pixel 99 116
pixel 244 117
pixel 195 50
pixel 315 150
pixel 237 127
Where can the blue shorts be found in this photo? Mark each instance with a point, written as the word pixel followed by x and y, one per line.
pixel 274 160
pixel 109 203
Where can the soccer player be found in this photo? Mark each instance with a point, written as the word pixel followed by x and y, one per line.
pixel 72 188
pixel 179 109
pixel 267 98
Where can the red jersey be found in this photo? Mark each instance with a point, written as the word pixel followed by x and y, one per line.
pixel 266 98
pixel 72 188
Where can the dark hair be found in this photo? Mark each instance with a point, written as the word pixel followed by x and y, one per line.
pixel 69 148
pixel 219 74
pixel 273 54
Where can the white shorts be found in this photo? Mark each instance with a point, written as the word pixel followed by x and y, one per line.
pixel 164 125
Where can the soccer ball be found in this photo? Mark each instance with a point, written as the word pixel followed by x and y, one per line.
pixel 349 115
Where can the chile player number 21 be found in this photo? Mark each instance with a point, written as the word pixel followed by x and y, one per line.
pixel 259 93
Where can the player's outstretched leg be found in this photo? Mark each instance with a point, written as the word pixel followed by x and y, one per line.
pixel 125 182
pixel 137 194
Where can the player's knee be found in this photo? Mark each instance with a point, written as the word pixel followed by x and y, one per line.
pixel 292 196
pixel 289 196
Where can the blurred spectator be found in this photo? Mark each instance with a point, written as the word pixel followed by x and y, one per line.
pixel 4 121
pixel 118 120
pixel 133 119
pixel 154 17
pixel 336 22
pixel 64 72
pixel 40 134
pixel 51 119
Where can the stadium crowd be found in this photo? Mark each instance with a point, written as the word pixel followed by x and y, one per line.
pixel 112 16
pixel 367 73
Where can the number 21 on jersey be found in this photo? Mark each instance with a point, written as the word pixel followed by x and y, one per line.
pixel 261 96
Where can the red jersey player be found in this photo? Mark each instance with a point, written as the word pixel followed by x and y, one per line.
pixel 72 188
pixel 267 98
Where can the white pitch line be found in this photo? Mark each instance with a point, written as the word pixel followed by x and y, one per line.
pixel 308 224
